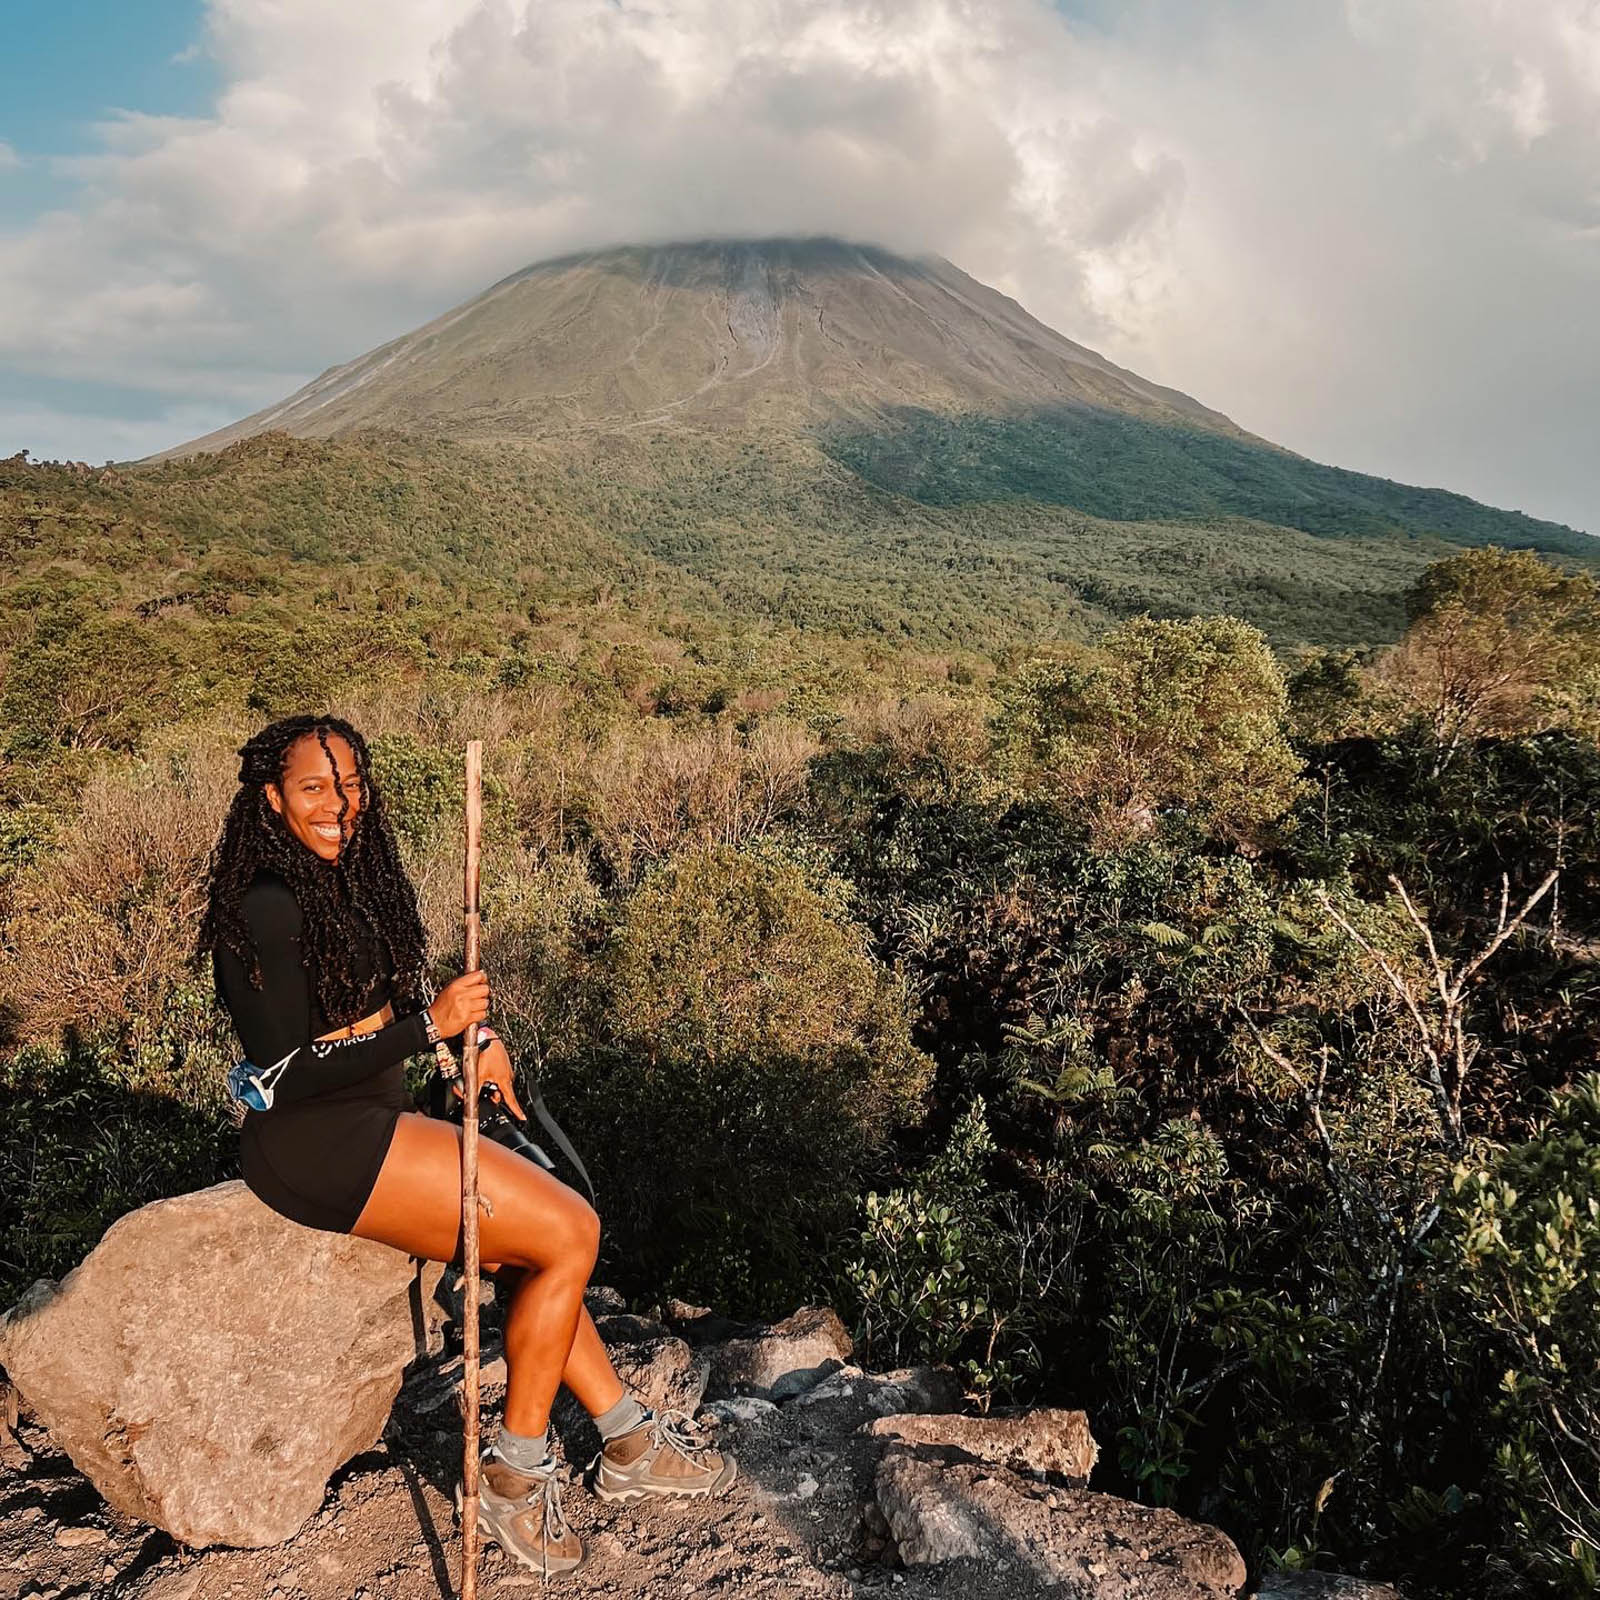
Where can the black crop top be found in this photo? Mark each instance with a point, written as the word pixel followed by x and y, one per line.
pixel 284 1014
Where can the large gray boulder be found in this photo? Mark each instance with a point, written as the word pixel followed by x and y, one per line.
pixel 210 1364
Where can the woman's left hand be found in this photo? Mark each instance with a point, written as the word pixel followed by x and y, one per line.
pixel 494 1068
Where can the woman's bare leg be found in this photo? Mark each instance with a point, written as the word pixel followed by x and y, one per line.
pixel 532 1221
pixel 588 1372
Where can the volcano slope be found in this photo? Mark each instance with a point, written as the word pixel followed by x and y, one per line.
pixel 844 438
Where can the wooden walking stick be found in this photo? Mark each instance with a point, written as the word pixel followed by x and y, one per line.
pixel 469 1189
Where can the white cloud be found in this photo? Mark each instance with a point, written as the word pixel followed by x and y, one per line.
pixel 9 158
pixel 1366 229
pixel 1388 240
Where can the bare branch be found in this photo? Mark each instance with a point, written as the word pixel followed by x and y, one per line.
pixel 1446 1108
pixel 1427 934
pixel 1507 928
pixel 1314 1106
pixel 1396 982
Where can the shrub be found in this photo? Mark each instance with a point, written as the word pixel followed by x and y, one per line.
pixel 1521 1257
pixel 422 785
pixel 96 682
pixel 1497 639
pixel 1167 719
pixel 654 790
pixel 953 1269
pixel 102 1122
pixel 101 929
pixel 756 1055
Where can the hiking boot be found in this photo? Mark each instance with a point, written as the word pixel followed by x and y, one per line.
pixel 665 1455
pixel 521 1512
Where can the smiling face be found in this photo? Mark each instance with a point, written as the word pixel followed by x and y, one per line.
pixel 306 798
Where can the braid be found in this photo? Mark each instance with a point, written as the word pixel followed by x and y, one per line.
pixel 366 893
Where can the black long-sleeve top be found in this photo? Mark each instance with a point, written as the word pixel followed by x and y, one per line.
pixel 315 1156
pixel 284 1012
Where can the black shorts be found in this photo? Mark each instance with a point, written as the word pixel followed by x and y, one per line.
pixel 316 1161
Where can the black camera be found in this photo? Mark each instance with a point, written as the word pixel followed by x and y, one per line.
pixel 494 1120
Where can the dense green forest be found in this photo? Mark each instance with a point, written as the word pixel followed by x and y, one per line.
pixel 1113 465
pixel 759 528
pixel 1187 1015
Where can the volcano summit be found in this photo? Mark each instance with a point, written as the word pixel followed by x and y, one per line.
pixel 909 373
pixel 716 335
pixel 847 438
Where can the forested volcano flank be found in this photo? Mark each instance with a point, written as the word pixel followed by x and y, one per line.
pixel 911 374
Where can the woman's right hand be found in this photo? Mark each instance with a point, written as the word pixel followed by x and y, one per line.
pixel 461 1003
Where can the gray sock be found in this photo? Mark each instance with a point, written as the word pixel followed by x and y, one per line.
pixel 524 1452
pixel 623 1417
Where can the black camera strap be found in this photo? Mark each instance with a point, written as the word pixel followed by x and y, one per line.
pixel 503 1129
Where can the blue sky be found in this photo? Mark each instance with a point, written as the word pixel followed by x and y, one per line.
pixel 70 63
pixel 1366 229
pixel 81 62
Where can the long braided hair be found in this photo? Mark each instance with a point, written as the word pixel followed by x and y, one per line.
pixel 364 895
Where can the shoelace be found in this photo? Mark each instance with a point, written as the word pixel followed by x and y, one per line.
pixel 678 1429
pixel 556 1526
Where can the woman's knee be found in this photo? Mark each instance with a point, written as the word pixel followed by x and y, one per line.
pixel 580 1236
pixel 543 1225
pixel 567 1243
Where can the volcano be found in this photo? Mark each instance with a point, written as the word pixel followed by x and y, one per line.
pixel 911 375
pixel 716 335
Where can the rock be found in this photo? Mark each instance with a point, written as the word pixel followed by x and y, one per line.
pixel 911 1389
pixel 1094 1545
pixel 847 1400
pixel 626 1328
pixel 884 1393
pixel 210 1364
pixel 1322 1586
pixel 603 1302
pixel 848 1385
pixel 781 1361
pixel 77 1538
pixel 928 1524
pixel 665 1371
pixel 1047 1441
pixel 426 1388
pixel 682 1313
pixel 700 1324
pixel 742 1410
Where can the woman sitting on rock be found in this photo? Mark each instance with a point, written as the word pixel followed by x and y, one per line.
pixel 317 948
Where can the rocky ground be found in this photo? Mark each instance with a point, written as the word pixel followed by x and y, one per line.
pixel 217 1405
pixel 851 1484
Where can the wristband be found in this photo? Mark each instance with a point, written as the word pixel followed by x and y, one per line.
pixel 431 1028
